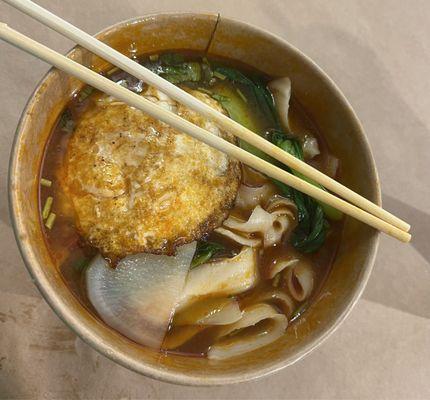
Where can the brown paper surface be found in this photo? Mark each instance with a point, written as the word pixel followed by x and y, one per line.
pixel 378 52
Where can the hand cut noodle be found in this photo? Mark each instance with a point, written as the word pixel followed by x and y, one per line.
pixel 260 325
pixel 279 265
pixel 257 308
pixel 270 225
pixel 279 205
pixel 281 90
pixel 179 335
pixel 274 296
pixel 219 311
pixel 241 239
pixel 300 280
pixel 199 316
pixel 248 196
pixel 224 277
pixel 310 147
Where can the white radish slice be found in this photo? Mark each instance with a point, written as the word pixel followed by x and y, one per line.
pixel 224 277
pixel 241 239
pixel 139 296
pixel 281 91
pixel 245 335
pixel 300 280
pixel 218 311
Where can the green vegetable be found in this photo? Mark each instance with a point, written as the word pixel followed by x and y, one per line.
pixel 219 75
pixel 257 88
pixel 299 311
pixel 85 93
pixel 220 98
pixel 234 105
pixel 207 74
pixel 171 58
pixel 81 264
pixel 312 226
pixel 66 121
pixel 186 72
pixel 204 252
pixel 238 111
pixel 203 90
pixel 293 147
pixel 45 182
pixel 47 207
pixel 172 67
pixel 311 230
pixel 242 96
pixel 50 221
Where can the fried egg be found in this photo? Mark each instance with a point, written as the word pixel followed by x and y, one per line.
pixel 138 185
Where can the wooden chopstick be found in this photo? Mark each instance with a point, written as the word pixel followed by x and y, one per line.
pixel 126 64
pixel 105 85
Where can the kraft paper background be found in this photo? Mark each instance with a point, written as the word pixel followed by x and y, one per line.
pixel 378 52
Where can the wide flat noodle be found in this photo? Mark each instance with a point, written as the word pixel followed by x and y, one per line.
pixel 224 277
pixel 260 325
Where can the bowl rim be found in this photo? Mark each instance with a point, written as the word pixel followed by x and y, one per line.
pixel 72 320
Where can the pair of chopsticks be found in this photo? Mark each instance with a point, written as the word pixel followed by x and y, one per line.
pixel 361 208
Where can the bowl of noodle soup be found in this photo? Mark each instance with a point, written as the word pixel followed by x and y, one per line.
pixel 259 275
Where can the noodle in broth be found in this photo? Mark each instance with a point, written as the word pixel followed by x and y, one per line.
pixel 253 270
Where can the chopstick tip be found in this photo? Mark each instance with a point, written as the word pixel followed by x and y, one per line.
pixel 407 237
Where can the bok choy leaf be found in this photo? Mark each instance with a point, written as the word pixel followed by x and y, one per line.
pixel 204 252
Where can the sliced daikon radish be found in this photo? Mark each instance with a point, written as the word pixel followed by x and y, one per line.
pixel 212 311
pixel 223 277
pixel 138 297
pixel 260 325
